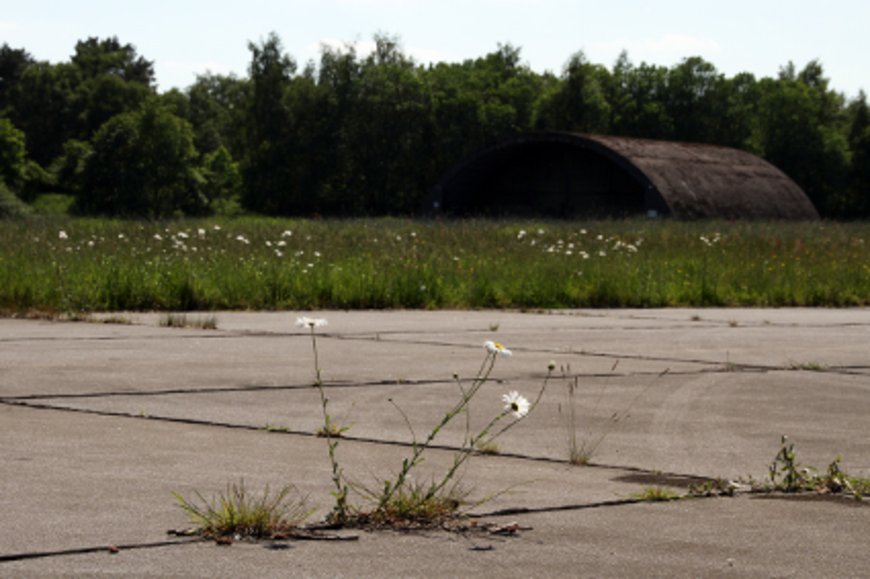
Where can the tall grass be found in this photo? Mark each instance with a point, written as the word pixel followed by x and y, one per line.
pixel 53 264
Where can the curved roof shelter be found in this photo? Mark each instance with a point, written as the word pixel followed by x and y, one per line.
pixel 568 175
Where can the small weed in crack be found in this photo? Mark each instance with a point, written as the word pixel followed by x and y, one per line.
pixel 236 513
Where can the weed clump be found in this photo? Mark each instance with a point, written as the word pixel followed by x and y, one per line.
pixel 239 514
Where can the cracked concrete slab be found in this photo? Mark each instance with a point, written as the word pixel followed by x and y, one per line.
pixel 101 423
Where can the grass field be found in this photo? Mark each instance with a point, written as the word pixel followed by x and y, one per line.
pixel 57 265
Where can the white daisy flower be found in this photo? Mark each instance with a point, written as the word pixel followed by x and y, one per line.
pixel 516 404
pixel 305 322
pixel 496 348
pixel 62 234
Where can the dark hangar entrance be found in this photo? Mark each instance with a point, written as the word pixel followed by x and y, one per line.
pixel 545 177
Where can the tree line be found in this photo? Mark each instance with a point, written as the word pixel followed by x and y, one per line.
pixel 368 135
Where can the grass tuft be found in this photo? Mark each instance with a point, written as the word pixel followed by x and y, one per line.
pixel 656 494
pixel 237 513
pixel 171 320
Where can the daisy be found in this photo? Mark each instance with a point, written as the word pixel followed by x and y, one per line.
pixel 305 322
pixel 515 404
pixel 496 348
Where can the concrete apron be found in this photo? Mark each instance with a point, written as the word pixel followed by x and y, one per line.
pixel 101 423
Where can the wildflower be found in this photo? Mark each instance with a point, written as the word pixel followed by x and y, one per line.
pixel 281 243
pixel 158 237
pixel 62 234
pixel 516 404
pixel 286 233
pixel 200 232
pixel 182 235
pixel 243 239
pixel 496 348
pixel 521 234
pixel 305 322
pixel 217 227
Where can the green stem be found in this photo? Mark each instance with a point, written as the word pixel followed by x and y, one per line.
pixel 408 464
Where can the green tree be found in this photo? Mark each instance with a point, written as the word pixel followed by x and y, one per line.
pixel 97 57
pixel 13 62
pixel 383 138
pixel 222 182
pixel 637 97
pixel 857 195
pixel 578 102
pixel 800 132
pixel 112 79
pixel 691 91
pixel 45 109
pixel 143 164
pixel 68 168
pixel 216 109
pixel 12 154
pixel 271 155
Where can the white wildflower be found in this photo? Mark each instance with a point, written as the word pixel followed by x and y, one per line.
pixel 516 404
pixel 496 348
pixel 62 234
pixel 306 322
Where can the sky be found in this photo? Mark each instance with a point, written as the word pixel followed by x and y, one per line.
pixel 185 38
